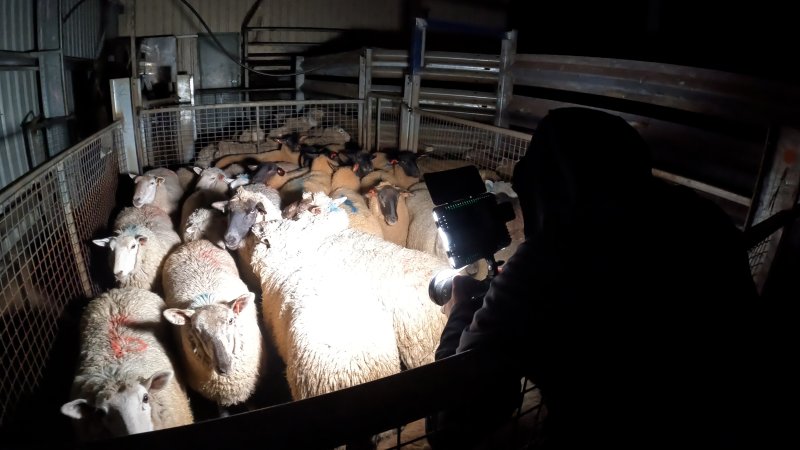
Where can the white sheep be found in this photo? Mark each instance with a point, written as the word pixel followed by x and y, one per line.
pixel 199 220
pixel 217 322
pixel 212 179
pixel 388 204
pixel 160 187
pixel 333 334
pixel 125 382
pixel 141 242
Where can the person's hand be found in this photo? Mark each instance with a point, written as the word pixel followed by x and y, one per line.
pixel 464 288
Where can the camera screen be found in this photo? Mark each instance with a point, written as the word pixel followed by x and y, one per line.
pixel 471 229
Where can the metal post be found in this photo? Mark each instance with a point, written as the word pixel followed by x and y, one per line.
pixel 122 109
pixel 378 126
pixel 778 191
pixel 364 88
pixel 73 232
pixel 505 81
pixel 299 79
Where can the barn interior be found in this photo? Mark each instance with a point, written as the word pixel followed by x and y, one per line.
pixel 96 92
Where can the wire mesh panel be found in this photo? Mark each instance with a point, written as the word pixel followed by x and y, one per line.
pixel 200 134
pixel 46 220
pixel 487 147
pixel 384 123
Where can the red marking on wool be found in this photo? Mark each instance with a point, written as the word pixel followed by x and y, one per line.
pixel 122 345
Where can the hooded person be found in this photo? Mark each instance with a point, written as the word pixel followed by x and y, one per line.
pixel 629 304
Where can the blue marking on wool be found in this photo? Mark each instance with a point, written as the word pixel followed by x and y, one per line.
pixel 350 204
pixel 205 298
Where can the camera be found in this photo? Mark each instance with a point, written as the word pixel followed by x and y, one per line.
pixel 470 222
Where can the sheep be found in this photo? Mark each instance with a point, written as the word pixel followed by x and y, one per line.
pixel 318 179
pixel 186 178
pixel 125 382
pixel 345 183
pixel 282 153
pixel 139 246
pixel 150 216
pixel 397 168
pixel 326 136
pixel 252 134
pixel 212 179
pixel 234 170
pixel 298 124
pixel 303 295
pixel 422 232
pixel 205 223
pixel 199 220
pixel 250 204
pixel 216 320
pixel 160 187
pixel 388 204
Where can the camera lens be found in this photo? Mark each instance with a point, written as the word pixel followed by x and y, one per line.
pixel 441 287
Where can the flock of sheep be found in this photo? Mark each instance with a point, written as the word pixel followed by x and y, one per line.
pixel 319 247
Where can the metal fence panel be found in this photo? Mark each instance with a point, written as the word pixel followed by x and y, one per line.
pixel 178 136
pixel 46 222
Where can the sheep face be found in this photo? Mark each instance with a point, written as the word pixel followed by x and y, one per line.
pixel 408 162
pixel 146 188
pixel 212 330
pixel 242 214
pixel 125 249
pixel 121 410
pixel 210 178
pixel 387 197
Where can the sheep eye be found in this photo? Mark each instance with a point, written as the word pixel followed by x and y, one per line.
pixel 230 321
pixel 133 246
pixel 145 398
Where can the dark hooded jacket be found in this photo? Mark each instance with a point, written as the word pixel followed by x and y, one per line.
pixel 630 302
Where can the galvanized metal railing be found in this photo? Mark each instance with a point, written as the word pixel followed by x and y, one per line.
pixel 46 221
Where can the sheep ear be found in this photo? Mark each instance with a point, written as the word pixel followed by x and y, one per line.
pixel 316 210
pixel 159 180
pixel 133 176
pixel 197 170
pixel 177 316
pixel 142 239
pixel 221 205
pixel 104 242
pixel 243 301
pixel 158 380
pixel 75 408
pixel 136 178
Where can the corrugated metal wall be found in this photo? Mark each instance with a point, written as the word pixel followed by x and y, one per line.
pixel 16 25
pixel 82 28
pixel 159 17
pixel 18 96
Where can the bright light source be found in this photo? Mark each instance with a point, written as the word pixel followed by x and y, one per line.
pixel 445 240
